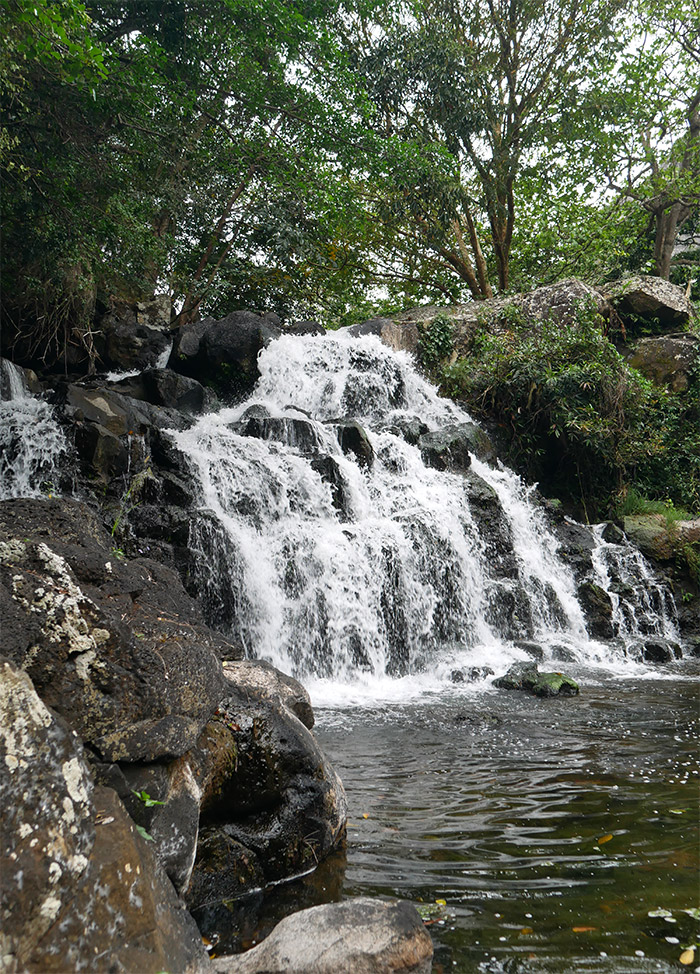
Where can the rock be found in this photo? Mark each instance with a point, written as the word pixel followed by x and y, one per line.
pixel 301 434
pixel 668 360
pixel 224 869
pixel 576 545
pixel 104 453
pixel 448 448
pixel 163 387
pixel 597 608
pixel 353 439
pixel 310 327
pixel 649 532
pixel 357 936
pixel 563 654
pixel 80 889
pixel 120 414
pixel 533 650
pixel 134 336
pixel 520 676
pixel 411 428
pixel 136 691
pixel 651 298
pixel 268 683
pixel 526 676
pixel 224 353
pixel 613 534
pixel 329 470
pixel 493 528
pixel 561 303
pixel 657 650
pixel 472 675
pixel 399 335
pixel 266 786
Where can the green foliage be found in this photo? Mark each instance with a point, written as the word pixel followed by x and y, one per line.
pixel 436 340
pixel 576 417
pixel 144 797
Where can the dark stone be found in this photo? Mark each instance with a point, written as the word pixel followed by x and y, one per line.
pixel 660 651
pixel 563 654
pixel 597 608
pixel 264 681
pixel 576 545
pixel 520 676
pixel 291 431
pixel 103 452
pixel 132 338
pixel 353 439
pixel 310 327
pixel 652 298
pixel 120 414
pixel 224 868
pixel 329 470
pixel 471 675
pixel 140 689
pixel 163 387
pixel 493 528
pixel 373 326
pixel 533 650
pixel 411 428
pixel 448 448
pixel 525 676
pixel 613 534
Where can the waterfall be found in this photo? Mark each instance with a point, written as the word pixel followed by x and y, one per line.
pixel 31 441
pixel 364 563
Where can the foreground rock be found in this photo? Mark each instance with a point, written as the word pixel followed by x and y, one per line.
pixel 651 298
pixel 80 889
pixel 359 936
pixel 526 677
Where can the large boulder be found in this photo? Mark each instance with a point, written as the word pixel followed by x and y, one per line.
pixel 526 677
pixel 651 298
pixel 267 791
pixel 357 936
pixel 597 608
pixel 134 335
pixel 118 649
pixel 668 360
pixel 163 387
pixel 224 354
pixel 79 888
pixel 448 448
pixel 399 335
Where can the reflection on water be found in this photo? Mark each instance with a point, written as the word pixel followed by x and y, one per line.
pixel 550 828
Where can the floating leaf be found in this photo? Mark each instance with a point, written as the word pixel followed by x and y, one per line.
pixel 365 815
pixel 526 930
pixel 604 838
pixel 688 956
pixel 677 811
pixel 694 912
pixel 441 902
pixel 583 929
pixel 659 913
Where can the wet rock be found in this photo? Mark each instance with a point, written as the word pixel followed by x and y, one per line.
pixel 495 534
pixel 563 654
pixel 224 868
pixel 268 683
pixel 224 353
pixel 163 387
pixel 105 455
pixel 329 470
pixel 300 434
pixel 354 440
pixel 613 534
pixel 597 608
pixel 526 676
pixel 656 650
pixel 533 650
pixel 473 674
pixel 508 609
pixel 266 784
pixel 115 648
pixel 576 545
pixel 448 448
pixel 357 936
pixel 651 298
pixel 120 414
pixel 649 532
pixel 668 360
pixel 411 428
pixel 309 327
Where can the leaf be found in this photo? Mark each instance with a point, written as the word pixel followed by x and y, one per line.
pixel 583 929
pixel 688 956
pixel 526 930
pixel 365 815
pixel 694 912
pixel 659 913
pixel 144 834
pixel 604 838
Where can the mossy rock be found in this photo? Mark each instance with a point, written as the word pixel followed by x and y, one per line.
pixel 554 685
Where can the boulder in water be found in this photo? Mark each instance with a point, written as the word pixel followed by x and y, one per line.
pixel 526 676
pixel 448 448
pixel 353 439
pixel 656 650
pixel 356 936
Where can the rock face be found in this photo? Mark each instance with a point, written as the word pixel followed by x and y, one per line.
pixel 134 336
pixel 134 692
pixel 359 936
pixel 224 354
pixel 667 359
pixel 650 297
pixel 80 889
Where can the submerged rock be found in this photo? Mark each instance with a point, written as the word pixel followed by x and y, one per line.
pixel 353 439
pixel 448 448
pixel 526 676
pixel 357 936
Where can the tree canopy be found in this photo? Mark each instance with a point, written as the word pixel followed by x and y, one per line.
pixel 310 156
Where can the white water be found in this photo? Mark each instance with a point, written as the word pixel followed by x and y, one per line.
pixel 31 441
pixel 390 589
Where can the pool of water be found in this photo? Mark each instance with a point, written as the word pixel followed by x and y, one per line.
pixel 550 830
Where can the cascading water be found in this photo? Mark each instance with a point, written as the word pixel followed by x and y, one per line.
pixel 31 441
pixel 367 563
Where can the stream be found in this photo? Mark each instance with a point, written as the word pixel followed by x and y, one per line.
pixel 551 829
